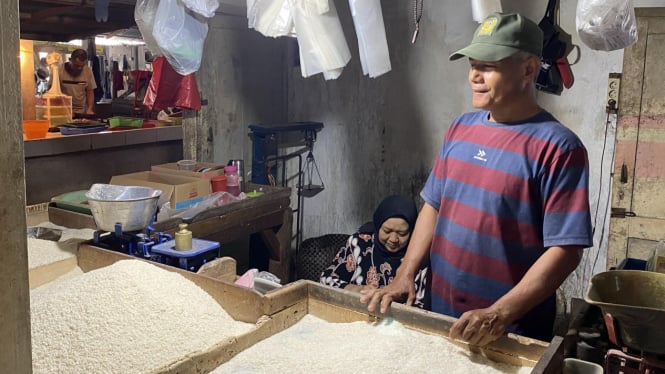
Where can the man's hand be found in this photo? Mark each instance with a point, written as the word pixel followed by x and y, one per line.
pixel 89 111
pixel 395 291
pixel 480 326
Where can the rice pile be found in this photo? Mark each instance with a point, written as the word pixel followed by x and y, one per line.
pixel 315 346
pixel 43 252
pixel 130 317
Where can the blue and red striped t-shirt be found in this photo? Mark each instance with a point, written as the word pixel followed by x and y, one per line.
pixel 504 192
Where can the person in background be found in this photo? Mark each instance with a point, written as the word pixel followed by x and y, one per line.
pixel 77 81
pixel 506 213
pixel 372 255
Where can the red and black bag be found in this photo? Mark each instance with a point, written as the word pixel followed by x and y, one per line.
pixel 555 72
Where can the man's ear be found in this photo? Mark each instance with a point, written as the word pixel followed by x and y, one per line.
pixel 532 68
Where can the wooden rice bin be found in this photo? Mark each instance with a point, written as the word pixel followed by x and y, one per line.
pixel 283 307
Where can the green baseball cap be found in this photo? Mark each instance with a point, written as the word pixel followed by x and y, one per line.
pixel 500 36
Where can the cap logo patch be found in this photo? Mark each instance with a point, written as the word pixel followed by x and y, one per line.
pixel 488 26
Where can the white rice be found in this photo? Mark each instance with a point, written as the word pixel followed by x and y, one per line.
pixel 130 317
pixel 315 346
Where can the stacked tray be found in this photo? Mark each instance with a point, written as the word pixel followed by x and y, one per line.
pixel 77 128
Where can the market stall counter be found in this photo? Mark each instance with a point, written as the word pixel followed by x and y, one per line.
pixel 268 216
pixel 60 163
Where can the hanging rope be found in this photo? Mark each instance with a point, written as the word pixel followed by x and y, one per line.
pixel 417 15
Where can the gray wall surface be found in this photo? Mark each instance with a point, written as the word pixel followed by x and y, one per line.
pixel 381 135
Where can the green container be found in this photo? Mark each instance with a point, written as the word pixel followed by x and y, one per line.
pixel 75 201
pixel 125 122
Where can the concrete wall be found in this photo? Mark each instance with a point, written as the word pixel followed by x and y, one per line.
pixel 381 135
pixel 243 80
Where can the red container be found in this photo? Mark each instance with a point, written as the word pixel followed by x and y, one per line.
pixel 218 183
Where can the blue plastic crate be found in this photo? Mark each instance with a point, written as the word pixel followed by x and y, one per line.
pixel 202 252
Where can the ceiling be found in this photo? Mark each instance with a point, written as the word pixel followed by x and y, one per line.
pixel 64 20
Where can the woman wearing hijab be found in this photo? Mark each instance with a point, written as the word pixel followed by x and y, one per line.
pixel 372 255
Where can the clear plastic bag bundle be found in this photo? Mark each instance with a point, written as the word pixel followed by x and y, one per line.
pixel 180 35
pixel 144 15
pixel 206 8
pixel 606 25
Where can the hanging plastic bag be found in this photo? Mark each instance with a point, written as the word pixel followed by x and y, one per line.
pixel 144 15
pixel 606 25
pixel 270 17
pixel 180 36
pixel 167 88
pixel 206 8
pixel 321 41
pixel 371 32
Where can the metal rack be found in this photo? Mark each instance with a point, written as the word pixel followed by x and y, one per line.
pixel 269 167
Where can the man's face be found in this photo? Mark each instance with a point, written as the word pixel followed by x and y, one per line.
pixel 76 66
pixel 496 83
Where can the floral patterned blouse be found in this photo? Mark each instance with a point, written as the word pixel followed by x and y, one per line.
pixel 361 263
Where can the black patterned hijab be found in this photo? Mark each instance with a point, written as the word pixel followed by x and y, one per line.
pixel 395 206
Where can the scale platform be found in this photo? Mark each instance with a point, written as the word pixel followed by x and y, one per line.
pixel 202 251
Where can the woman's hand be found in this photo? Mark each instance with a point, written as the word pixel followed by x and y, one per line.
pixel 358 288
pixel 395 291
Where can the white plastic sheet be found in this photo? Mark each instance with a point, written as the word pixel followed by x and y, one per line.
pixel 371 33
pixel 323 48
pixel 321 42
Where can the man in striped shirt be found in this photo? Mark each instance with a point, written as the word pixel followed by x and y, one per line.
pixel 506 212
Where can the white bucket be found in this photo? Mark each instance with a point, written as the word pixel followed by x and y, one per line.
pixel 576 366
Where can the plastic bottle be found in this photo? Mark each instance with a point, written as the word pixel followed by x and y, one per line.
pixel 183 238
pixel 232 182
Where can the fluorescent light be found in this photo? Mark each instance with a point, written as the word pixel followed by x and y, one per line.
pixel 110 41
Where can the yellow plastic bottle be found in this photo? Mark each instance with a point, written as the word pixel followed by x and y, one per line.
pixel 183 238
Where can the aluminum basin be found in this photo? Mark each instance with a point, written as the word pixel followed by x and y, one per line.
pixel 132 206
pixel 636 300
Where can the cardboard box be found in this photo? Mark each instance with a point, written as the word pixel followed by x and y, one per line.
pixel 179 190
pixel 172 168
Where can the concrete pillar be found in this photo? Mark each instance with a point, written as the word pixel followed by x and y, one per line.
pixel 15 355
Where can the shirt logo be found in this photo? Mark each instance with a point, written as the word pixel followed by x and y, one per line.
pixel 481 155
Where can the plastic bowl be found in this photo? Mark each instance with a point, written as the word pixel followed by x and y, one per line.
pixel 133 207
pixel 35 129
pixel 186 165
